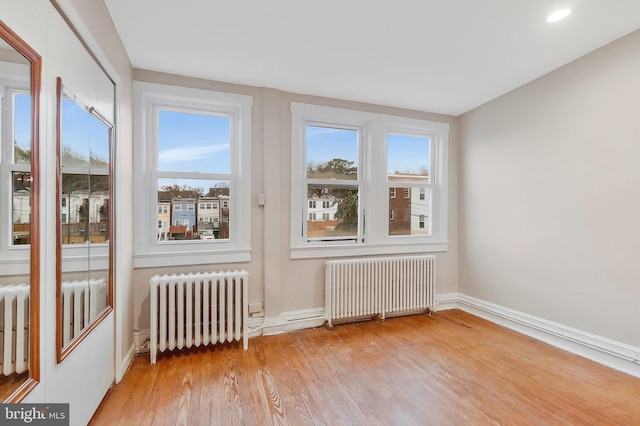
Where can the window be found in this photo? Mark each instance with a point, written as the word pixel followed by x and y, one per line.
pixel 325 216
pixel 408 167
pixel 193 151
pixel 15 161
pixel 332 176
pixel 355 162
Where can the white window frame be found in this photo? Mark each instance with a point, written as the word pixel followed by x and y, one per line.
pixel 148 252
pixel 14 259
pixel 374 193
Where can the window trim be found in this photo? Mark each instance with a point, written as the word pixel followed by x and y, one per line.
pixel 148 252
pixel 14 258
pixel 374 190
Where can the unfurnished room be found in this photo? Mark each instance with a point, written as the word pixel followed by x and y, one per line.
pixel 324 213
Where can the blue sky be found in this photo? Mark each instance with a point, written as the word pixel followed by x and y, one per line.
pixel 22 124
pixel 203 184
pixel 406 153
pixel 189 142
pixel 325 144
pixel 83 133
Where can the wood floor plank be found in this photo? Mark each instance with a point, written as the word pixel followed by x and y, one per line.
pixel 448 369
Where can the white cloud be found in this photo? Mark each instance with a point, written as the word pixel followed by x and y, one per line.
pixel 190 153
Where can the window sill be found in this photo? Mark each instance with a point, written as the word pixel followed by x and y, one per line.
pixel 338 250
pixel 191 257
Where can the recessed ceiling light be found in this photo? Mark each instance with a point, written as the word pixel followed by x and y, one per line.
pixel 558 15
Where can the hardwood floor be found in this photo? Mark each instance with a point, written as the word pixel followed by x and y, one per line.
pixel 448 369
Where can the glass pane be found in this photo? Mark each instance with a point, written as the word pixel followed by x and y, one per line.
pixel 98 144
pixel 22 128
pixel 409 211
pixel 190 209
pixel 190 142
pixel 21 211
pixel 408 158
pixel 76 134
pixel 332 153
pixel 75 208
pixel 332 212
pixel 98 208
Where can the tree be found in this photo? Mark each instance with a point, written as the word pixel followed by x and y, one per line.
pixel 168 192
pixel 332 169
pixel 346 199
pixel 21 156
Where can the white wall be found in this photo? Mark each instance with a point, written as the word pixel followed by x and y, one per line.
pixel 83 377
pixel 94 22
pixel 549 195
pixel 287 287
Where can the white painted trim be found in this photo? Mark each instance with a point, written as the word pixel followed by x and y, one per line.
pixel 335 250
pixel 617 355
pixel 141 340
pixel 124 364
pixel 372 158
pixel 289 321
pixel 447 301
pixel 148 252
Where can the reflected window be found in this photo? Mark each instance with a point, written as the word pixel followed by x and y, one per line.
pixel 84 220
pixel 85 176
pixel 17 136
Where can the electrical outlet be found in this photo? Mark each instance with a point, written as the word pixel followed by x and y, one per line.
pixel 254 308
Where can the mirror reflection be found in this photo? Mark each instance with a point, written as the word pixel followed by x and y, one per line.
pixel 15 218
pixel 83 212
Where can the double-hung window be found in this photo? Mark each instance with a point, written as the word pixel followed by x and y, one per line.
pixel 15 167
pixel 381 179
pixel 193 148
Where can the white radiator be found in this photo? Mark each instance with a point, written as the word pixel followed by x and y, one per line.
pixel 197 309
pixel 82 302
pixel 368 287
pixel 14 328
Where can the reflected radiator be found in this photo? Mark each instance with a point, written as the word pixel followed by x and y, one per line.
pixel 14 328
pixel 82 302
pixel 368 287
pixel 197 309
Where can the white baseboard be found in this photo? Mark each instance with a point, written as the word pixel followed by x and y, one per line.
pixel 125 363
pixel 617 355
pixel 289 321
pixel 141 341
pixel 447 301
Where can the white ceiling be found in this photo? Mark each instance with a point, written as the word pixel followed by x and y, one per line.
pixel 445 56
